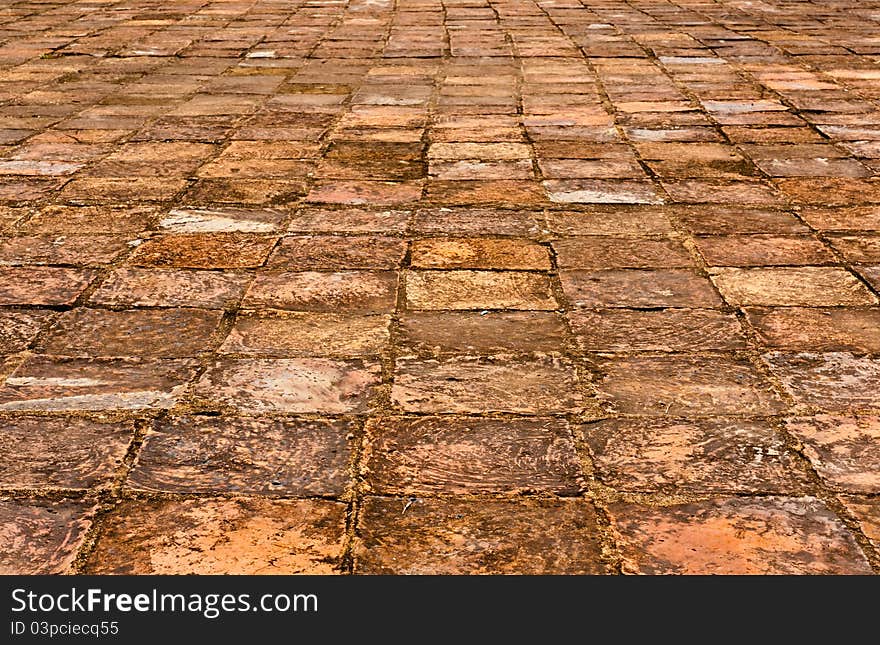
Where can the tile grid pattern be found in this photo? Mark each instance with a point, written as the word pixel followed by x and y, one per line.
pixel 456 287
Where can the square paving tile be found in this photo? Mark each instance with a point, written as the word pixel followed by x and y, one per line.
pixel 336 252
pixel 469 385
pixel 686 386
pixel 289 385
pixel 35 285
pixel 792 286
pixel 238 455
pixel 68 249
pixel 48 383
pixel 221 536
pixel 828 381
pixel 867 513
pixel 604 253
pixel 602 191
pixel 736 536
pixel 341 291
pixel 199 251
pixel 348 220
pixel 167 333
pixel 479 253
pixel 638 288
pixel 763 250
pixel 221 220
pixel 447 537
pixel 171 288
pixel 455 456
pixel 483 332
pixel 103 219
pixel 694 456
pixel 817 329
pixel 460 289
pixel 664 330
pixel 19 328
pixel 61 452
pixel 258 333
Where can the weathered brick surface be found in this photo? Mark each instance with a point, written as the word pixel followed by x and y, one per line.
pixel 596 283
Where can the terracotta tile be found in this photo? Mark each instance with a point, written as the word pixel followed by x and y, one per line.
pixel 220 536
pixel 791 286
pixel 221 220
pixel 258 333
pixel 43 285
pixel 817 329
pixel 20 189
pixel 474 169
pixel 342 291
pixel 470 385
pixel 42 537
pixel 81 220
pixel 637 288
pixel 844 449
pixel 763 250
pixel 484 537
pixel 736 536
pixel 365 192
pixel 855 218
pixel 337 252
pixel 720 220
pixel 832 191
pixel 590 169
pixel 348 220
pixel 256 168
pixel 204 251
pixel 695 191
pixel 116 189
pixel 602 253
pixel 695 456
pixel 72 249
pixel 477 221
pixel 248 192
pixel 171 288
pixel 162 333
pixel 479 253
pixel 487 191
pixel 61 452
pixel 818 167
pixel 489 332
pixel 828 381
pixel 289 385
pixel 46 383
pixel 450 456
pixel 485 151
pixel 666 330
pixel 686 386
pixel 434 290
pixel 862 249
pixel 602 191
pixel 257 456
pixel 616 222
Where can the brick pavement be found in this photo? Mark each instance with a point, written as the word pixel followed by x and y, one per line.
pixel 440 286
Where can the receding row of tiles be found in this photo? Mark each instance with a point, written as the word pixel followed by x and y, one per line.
pixel 440 455
pixel 376 291
pixel 793 535
pixel 641 385
pixel 190 332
